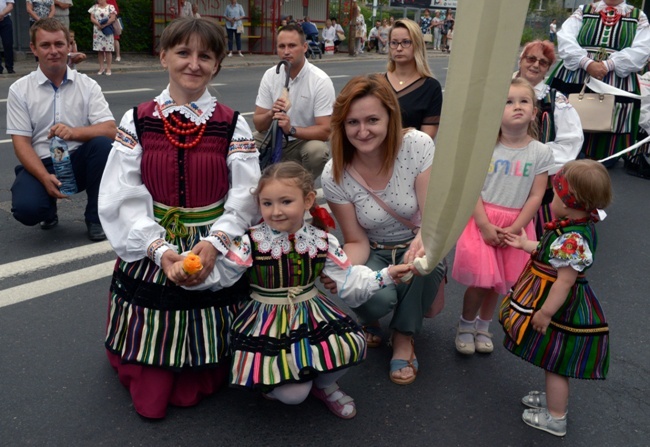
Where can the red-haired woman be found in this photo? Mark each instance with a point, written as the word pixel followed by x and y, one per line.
pixel 374 158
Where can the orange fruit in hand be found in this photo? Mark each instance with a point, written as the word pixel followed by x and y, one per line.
pixel 192 264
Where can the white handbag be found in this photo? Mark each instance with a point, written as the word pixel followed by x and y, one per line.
pixel 595 110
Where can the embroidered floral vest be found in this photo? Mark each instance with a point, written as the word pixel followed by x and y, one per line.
pixel 188 178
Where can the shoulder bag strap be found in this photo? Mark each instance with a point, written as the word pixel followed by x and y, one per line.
pixel 356 176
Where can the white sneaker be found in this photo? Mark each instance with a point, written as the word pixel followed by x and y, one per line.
pixel 230 54
pixel 241 55
pixel 117 59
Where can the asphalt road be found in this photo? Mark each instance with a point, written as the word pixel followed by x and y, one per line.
pixel 56 387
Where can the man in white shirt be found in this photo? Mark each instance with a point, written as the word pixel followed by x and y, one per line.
pixel 305 116
pixel 56 101
pixel 7 34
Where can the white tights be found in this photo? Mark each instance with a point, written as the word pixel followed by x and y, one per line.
pixel 296 393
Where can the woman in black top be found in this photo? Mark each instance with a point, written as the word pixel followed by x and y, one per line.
pixel 418 92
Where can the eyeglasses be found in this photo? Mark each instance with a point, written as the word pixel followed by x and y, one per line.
pixel 405 43
pixel 542 62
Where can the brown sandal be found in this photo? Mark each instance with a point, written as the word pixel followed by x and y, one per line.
pixel 371 332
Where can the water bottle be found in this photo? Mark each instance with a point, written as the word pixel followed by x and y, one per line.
pixel 63 166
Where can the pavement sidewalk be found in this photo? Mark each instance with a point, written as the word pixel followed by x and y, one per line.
pixel 133 62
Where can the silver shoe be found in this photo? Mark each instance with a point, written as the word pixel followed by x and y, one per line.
pixel 535 399
pixel 541 419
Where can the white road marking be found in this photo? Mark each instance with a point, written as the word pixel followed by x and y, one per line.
pixel 247 113
pixel 53 259
pixel 54 284
pixel 63 281
pixel 133 90
pixel 217 85
pixel 339 76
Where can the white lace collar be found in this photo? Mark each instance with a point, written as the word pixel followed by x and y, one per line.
pixel 198 111
pixel 622 8
pixel 306 240
pixel 542 90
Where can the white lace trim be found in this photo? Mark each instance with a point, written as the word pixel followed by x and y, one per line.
pixel 198 111
pixel 307 240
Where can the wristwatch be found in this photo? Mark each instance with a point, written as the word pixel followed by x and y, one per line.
pixel 292 131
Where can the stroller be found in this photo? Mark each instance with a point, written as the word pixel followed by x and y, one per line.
pixel 311 34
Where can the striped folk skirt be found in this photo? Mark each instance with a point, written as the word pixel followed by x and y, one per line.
pixel 152 321
pixel 576 343
pixel 275 341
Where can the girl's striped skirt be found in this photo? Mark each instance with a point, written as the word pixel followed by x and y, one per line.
pixel 277 341
pixel 576 343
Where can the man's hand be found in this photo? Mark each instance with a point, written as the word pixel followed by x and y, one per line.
pixel 281 105
pixel 52 184
pixel 284 122
pixel 62 131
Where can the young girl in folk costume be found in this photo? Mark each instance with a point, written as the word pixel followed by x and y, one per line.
pixel 511 195
pixel 568 334
pixel 289 339
pixel 178 179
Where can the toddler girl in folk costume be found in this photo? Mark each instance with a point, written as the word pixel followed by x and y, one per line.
pixel 511 196
pixel 552 317
pixel 289 339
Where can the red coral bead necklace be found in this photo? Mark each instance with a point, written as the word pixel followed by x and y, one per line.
pixel 561 223
pixel 180 128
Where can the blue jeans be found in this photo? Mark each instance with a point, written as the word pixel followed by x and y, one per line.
pixel 233 34
pixel 7 37
pixel 30 202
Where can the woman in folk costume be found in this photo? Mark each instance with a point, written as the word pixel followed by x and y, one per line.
pixel 178 179
pixel 608 40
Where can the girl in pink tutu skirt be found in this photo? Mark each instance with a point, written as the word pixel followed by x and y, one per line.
pixel 510 197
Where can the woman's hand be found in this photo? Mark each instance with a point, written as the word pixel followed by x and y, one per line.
pixel 597 70
pixel 416 249
pixel 208 254
pixel 172 264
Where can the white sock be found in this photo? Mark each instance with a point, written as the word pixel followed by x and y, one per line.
pixel 469 326
pixel 291 393
pixel 484 326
